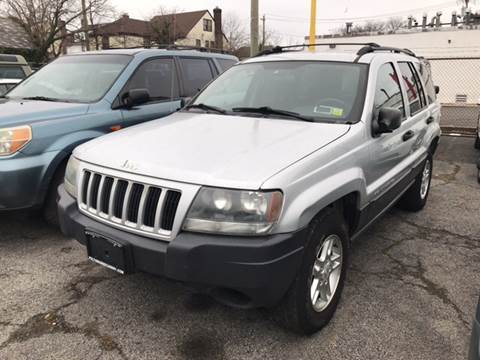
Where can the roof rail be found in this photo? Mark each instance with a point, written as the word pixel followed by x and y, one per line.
pixel 374 47
pixel 189 47
pixel 280 49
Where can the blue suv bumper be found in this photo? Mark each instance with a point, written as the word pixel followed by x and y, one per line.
pixel 24 180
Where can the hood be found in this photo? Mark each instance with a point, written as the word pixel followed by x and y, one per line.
pixel 209 149
pixel 26 112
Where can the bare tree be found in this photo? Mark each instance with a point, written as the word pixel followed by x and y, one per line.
pixel 394 23
pixel 234 31
pixel 99 11
pixel 45 21
pixel 163 25
pixel 369 26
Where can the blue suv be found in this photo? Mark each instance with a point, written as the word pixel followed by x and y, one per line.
pixel 79 97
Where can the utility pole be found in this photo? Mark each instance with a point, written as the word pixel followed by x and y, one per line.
pixel 85 25
pixel 254 28
pixel 313 24
pixel 263 32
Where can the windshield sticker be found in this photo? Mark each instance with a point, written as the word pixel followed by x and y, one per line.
pixel 328 110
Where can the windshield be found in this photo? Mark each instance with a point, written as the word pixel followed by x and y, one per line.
pixel 11 72
pixel 322 91
pixel 84 78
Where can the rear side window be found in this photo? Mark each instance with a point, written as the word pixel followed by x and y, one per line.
pixel 426 74
pixel 226 64
pixel 388 92
pixel 197 73
pixel 159 77
pixel 11 72
pixel 416 98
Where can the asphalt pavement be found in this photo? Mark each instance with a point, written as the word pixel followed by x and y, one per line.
pixel 411 292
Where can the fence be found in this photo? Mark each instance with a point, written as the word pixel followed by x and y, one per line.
pixel 459 81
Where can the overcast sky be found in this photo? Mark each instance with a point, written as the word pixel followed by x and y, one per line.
pixel 290 18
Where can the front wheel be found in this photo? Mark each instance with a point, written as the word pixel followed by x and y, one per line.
pixel 313 297
pixel 416 196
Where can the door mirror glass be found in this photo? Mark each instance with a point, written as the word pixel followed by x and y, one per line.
pixel 184 101
pixel 388 119
pixel 135 97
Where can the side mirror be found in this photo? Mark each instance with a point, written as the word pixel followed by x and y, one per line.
pixel 388 119
pixel 184 101
pixel 135 97
pixel 437 89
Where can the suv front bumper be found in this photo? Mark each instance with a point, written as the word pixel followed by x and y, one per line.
pixel 239 271
pixel 23 180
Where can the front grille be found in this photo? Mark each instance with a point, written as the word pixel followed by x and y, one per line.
pixel 147 208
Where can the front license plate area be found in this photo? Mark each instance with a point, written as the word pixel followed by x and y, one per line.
pixel 107 252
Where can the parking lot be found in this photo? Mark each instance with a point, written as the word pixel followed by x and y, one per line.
pixel 410 294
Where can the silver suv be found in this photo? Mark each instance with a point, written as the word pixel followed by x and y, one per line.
pixel 255 190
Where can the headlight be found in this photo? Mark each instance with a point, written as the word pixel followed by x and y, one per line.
pixel 234 212
pixel 13 139
pixel 71 172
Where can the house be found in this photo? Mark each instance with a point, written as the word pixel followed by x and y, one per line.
pixel 195 28
pixel 13 37
pixel 122 33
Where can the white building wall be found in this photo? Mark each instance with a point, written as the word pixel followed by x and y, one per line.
pixel 445 42
pixel 198 33
pixel 454 76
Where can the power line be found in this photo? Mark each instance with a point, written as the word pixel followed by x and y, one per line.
pixel 359 18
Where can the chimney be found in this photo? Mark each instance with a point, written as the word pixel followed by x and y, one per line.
pixel 217 17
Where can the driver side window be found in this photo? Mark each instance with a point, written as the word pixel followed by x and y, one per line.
pixel 388 92
pixel 158 76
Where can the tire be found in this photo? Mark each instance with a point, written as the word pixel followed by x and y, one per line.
pixel 297 311
pixel 50 209
pixel 478 176
pixel 416 196
pixel 477 141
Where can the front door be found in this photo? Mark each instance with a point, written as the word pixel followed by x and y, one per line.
pixel 159 77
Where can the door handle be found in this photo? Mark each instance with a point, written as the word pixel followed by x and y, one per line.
pixel 408 135
pixel 430 120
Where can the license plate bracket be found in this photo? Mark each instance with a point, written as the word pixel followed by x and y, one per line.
pixel 107 252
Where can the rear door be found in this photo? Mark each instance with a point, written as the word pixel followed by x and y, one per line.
pixel 160 77
pixel 196 73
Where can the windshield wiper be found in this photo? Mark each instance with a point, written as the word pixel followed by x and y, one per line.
pixel 41 98
pixel 207 108
pixel 266 110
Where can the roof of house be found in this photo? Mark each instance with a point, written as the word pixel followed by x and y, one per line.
pixel 12 35
pixel 184 22
pixel 125 26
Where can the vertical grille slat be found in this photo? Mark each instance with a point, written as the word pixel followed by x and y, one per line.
pixel 93 197
pixel 134 202
pixel 153 197
pixel 119 198
pixel 107 190
pixel 170 209
pixel 86 180
pixel 144 208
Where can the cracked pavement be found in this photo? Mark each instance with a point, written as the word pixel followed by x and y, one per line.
pixel 411 292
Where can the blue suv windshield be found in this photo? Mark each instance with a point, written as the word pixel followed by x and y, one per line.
pixel 83 78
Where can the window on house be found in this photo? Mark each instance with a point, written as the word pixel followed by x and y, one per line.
pixel 388 92
pixel 198 43
pixel 207 25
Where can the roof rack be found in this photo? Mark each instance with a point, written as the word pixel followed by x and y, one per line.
pixel 280 49
pixel 366 48
pixel 375 47
pixel 188 47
